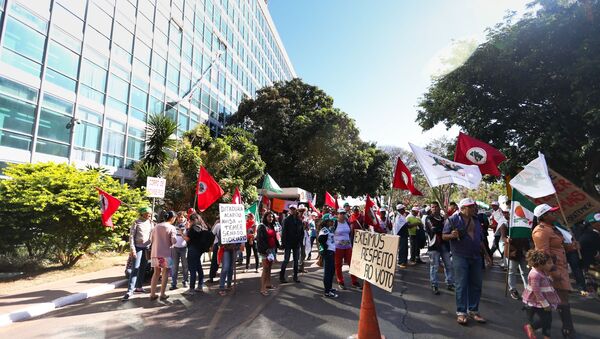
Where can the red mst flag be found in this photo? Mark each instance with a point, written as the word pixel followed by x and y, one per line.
pixel 370 218
pixel 403 179
pixel 207 190
pixel 237 197
pixel 266 202
pixel 108 207
pixel 331 201
pixel 471 151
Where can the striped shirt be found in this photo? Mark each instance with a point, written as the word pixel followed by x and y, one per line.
pixel 539 291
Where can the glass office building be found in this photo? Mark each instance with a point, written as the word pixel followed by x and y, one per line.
pixel 78 78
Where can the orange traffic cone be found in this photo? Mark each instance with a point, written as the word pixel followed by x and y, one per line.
pixel 368 326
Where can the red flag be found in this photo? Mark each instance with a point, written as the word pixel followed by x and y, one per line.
pixel 370 218
pixel 237 197
pixel 403 179
pixel 108 207
pixel 266 202
pixel 207 190
pixel 471 151
pixel 331 201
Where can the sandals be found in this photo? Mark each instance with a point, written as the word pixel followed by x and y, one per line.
pixel 271 287
pixel 264 293
pixel 164 297
pixel 153 297
pixel 222 293
pixel 478 318
pixel 462 319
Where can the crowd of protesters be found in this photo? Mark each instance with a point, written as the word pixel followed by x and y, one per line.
pixel 455 239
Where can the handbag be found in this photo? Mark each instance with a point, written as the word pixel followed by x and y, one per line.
pixel 320 261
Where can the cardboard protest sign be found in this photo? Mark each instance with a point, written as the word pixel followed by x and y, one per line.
pixel 374 258
pixel 155 187
pixel 233 223
pixel 576 204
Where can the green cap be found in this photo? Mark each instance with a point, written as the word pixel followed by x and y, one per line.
pixel 326 217
pixel 144 209
pixel 593 217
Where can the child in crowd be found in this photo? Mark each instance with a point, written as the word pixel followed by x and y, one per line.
pixel 539 297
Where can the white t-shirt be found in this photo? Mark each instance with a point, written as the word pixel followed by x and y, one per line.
pixel 398 223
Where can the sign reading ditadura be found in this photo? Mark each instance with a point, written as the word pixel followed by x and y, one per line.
pixel 374 258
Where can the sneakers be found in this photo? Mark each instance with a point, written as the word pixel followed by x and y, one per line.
pixel 126 296
pixel 451 287
pixel 173 287
pixel 402 266
pixel 331 295
pixel 189 292
pixel 342 287
pixel 333 290
pixel 435 290
pixel 296 280
pixel 201 288
pixel 357 286
pixel 515 295
pixel 283 281
pixel 184 284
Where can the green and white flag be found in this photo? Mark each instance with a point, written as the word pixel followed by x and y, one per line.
pixel 254 210
pixel 521 216
pixel 270 185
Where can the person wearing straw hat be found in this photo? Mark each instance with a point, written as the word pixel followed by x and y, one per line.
pixel 139 241
pixel 550 239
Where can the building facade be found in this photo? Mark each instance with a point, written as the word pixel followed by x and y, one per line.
pixel 78 78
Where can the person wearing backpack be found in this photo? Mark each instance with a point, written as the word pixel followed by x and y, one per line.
pixel 199 239
pixel 326 243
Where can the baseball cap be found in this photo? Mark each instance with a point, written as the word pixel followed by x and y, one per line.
pixel 400 207
pixel 341 210
pixel 326 216
pixel 466 202
pixel 382 210
pixel 301 207
pixel 494 203
pixel 593 217
pixel 346 204
pixel 293 207
pixel 314 214
pixel 144 209
pixel 415 209
pixel 542 209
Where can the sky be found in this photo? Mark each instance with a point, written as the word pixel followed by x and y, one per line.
pixel 376 58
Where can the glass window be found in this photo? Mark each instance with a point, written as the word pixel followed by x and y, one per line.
pixel 155 105
pixel 85 155
pixel 161 41
pixel 24 40
pixel 52 148
pixel 93 75
pixel 66 39
pixel 20 62
pixel 173 74
pixel 144 26
pixel 52 125
pixel 147 8
pixel 97 41
pixel 123 37
pixel 118 88
pixel 27 16
pixel 60 80
pixel 62 59
pixel 159 64
pixel 91 94
pixel 18 90
pixel 87 136
pixel 113 142
pixel 99 20
pixel 75 6
pixel 89 115
pixel 135 148
pixel 115 125
pixel 14 140
pixel 68 21
pixel 139 98
pixel 16 115
pixel 136 132
pixel 117 105
pixel 57 104
pixel 121 55
pixel 110 160
pixel 141 68
pixel 136 113
pixel 142 52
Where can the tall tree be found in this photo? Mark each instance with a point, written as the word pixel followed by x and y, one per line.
pixel 159 147
pixel 306 142
pixel 533 86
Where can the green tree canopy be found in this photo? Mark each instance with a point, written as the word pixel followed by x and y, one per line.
pixel 308 143
pixel 533 86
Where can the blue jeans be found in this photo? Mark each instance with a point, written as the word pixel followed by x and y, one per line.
pixel 286 260
pixel 328 269
pixel 227 268
pixel 468 275
pixel 136 277
pixel 195 265
pixel 434 264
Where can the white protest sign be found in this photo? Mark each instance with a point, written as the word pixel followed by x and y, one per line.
pixel 155 187
pixel 374 258
pixel 233 223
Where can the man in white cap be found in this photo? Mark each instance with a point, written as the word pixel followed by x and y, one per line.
pixel 463 230
pixel 415 226
pixel 551 239
pixel 292 235
pixel 401 230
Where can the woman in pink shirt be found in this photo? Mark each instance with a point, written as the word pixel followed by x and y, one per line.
pixel 163 238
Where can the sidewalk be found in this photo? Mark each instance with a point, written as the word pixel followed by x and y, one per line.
pixel 25 303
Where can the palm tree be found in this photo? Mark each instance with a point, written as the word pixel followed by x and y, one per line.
pixel 159 147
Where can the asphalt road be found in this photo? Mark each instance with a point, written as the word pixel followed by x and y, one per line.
pixel 296 311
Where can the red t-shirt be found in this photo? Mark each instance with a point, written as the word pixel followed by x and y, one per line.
pixel 271 237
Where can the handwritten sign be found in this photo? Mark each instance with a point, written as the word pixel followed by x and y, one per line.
pixel 374 258
pixel 233 223
pixel 575 202
pixel 155 187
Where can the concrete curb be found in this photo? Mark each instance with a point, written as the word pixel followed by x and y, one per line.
pixel 43 308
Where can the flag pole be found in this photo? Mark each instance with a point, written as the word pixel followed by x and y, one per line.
pixel 508 268
pixel 565 219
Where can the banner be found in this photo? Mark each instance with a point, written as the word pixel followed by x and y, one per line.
pixel 233 223
pixel 576 204
pixel 534 180
pixel 374 258
pixel 521 215
pixel 439 171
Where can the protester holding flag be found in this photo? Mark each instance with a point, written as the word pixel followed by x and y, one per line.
pixel 250 243
pixel 467 246
pixel 438 249
pixel 163 238
pixel 139 242
pixel 550 239
pixel 266 239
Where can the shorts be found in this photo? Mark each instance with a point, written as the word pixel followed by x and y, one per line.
pixel 162 262
pixel 269 251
